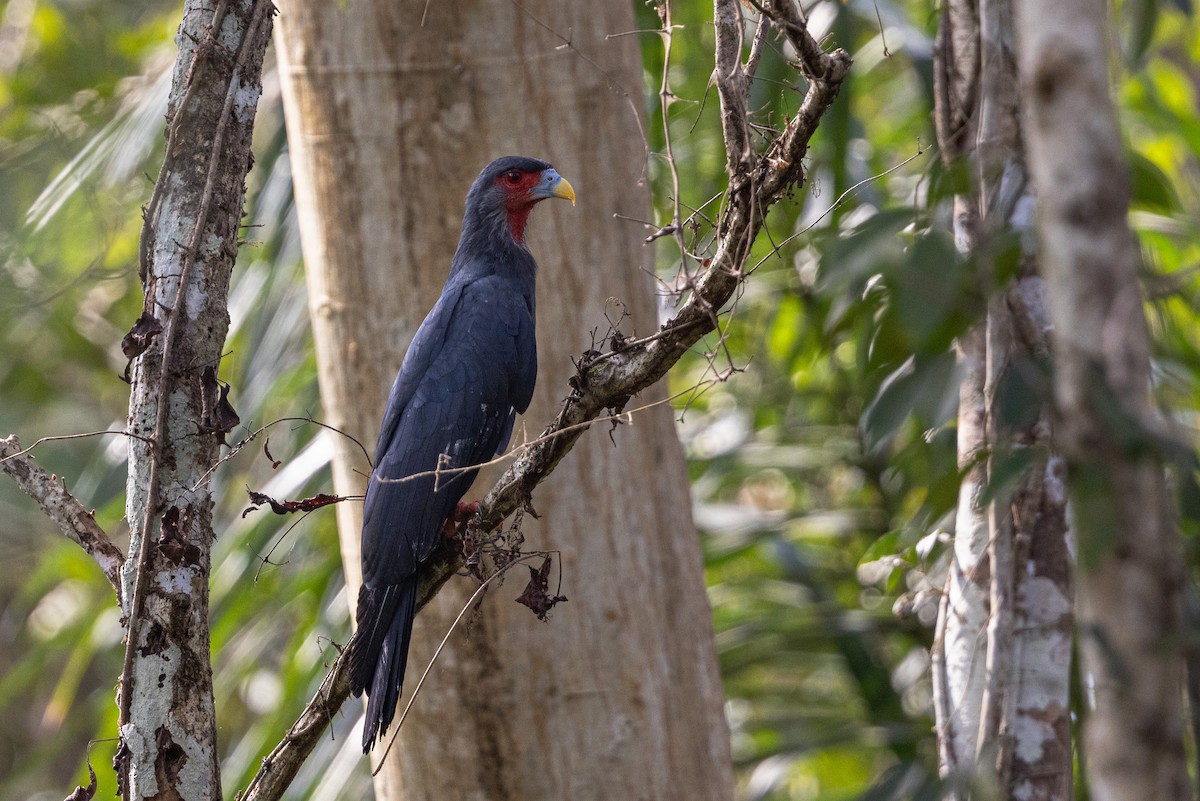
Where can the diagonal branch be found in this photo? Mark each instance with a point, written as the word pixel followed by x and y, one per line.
pixel 606 382
pixel 280 766
pixel 73 520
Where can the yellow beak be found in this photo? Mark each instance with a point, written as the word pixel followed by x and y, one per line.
pixel 563 189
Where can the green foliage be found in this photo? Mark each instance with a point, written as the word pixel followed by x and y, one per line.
pixel 824 468
pixel 823 463
pixel 818 461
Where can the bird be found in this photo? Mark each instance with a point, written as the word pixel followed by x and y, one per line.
pixel 469 371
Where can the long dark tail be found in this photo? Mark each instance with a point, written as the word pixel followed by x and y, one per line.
pixel 385 619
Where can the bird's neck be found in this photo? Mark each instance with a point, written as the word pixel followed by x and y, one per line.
pixel 518 218
pixel 488 247
pixel 499 231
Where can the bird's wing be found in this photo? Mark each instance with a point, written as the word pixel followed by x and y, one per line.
pixel 450 416
pixel 422 352
pixel 524 374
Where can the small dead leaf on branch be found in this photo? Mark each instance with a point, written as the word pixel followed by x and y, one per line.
pixel 172 539
pixel 82 793
pixel 259 499
pixel 134 343
pixel 535 596
pixel 217 413
pixel 267 452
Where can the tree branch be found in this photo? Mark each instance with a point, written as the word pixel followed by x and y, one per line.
pixel 73 520
pixel 732 85
pixel 280 766
pixel 606 382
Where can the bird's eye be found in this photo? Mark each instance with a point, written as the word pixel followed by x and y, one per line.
pixel 513 177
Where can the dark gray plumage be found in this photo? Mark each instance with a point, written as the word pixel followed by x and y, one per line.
pixel 470 369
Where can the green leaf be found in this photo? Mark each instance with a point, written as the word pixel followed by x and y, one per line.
pixel 887 545
pixel 873 247
pixel 1021 393
pixel 1152 188
pixel 916 388
pixel 1140 18
pixel 929 302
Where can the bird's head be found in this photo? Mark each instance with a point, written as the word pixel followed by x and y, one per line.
pixel 507 190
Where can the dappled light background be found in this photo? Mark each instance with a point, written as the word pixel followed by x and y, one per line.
pixel 819 429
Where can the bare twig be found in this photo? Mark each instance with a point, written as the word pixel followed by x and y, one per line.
pixel 241 444
pixel 614 84
pixel 756 46
pixel 840 200
pixel 74 521
pixel 60 437
pixel 665 98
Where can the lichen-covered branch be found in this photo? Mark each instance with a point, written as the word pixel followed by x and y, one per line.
pixel 74 521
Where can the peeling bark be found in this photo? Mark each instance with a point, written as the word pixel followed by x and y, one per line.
pixel 189 242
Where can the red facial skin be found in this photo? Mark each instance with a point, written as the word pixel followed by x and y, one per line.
pixel 517 203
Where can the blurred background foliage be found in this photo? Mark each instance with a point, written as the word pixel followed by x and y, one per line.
pixel 823 463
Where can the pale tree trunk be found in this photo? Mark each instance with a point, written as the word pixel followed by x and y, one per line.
pixel 1004 641
pixel 167 721
pixel 389 120
pixel 1130 579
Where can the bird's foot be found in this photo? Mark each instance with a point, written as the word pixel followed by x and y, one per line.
pixel 462 513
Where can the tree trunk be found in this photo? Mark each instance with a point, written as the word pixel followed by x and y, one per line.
pixel 392 109
pixel 1130 578
pixel 167 721
pixel 1003 674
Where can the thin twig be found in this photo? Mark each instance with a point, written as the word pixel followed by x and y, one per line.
pixel 241 444
pixel 59 437
pixel 840 199
pixel 665 98
pixel 613 83
pixel 756 46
